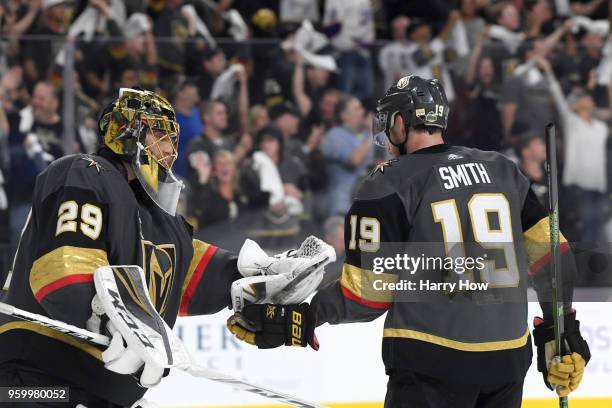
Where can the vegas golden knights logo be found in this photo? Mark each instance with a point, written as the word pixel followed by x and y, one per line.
pixel 158 264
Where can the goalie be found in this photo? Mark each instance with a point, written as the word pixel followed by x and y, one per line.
pixel 117 208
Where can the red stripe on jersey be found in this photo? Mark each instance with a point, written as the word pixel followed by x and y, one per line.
pixel 545 260
pixel 374 305
pixel 63 282
pixel 195 279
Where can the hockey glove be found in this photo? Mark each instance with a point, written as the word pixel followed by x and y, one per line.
pixel 283 279
pixel 269 326
pixel 561 373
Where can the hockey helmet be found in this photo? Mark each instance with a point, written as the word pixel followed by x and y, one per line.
pixel 140 126
pixel 420 102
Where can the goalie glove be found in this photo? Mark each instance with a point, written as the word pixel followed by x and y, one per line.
pixel 562 373
pixel 286 278
pixel 270 326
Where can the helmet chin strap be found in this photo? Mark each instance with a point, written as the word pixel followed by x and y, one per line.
pixel 401 146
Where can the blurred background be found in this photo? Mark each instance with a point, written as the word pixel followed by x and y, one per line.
pixel 275 98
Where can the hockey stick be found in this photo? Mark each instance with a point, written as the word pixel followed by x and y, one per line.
pixel 192 369
pixel 553 217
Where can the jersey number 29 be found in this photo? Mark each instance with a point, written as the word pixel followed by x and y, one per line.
pixel 90 222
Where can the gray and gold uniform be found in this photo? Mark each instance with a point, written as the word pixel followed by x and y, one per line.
pixel 447 201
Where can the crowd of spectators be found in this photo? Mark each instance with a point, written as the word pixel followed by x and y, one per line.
pixel 274 98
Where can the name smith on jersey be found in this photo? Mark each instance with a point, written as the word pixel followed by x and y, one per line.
pixel 463 175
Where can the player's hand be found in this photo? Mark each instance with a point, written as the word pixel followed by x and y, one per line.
pixel 270 326
pixel 562 373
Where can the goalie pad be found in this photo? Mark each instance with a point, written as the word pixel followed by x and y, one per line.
pixel 286 278
pixel 124 298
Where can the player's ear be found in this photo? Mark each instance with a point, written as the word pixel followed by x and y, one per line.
pixel 397 130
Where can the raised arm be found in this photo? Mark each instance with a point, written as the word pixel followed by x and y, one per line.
pixel 470 73
pixel 555 89
pixel 553 39
pixel 303 101
pixel 453 17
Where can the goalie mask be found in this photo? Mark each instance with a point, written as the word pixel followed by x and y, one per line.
pixel 420 102
pixel 140 126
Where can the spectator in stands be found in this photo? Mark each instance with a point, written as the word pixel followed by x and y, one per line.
pixel 128 77
pixel 186 100
pixel 99 53
pixel 483 120
pixel 258 119
pixel 16 18
pixel 525 95
pixel 566 62
pixel 470 19
pixel 225 195
pixel 427 54
pixel 309 84
pixel 585 140
pixel 278 77
pixel 352 23
pixel 170 23
pixel 38 54
pixel 327 107
pixel 531 152
pixel 232 88
pixel 141 52
pixel 13 94
pixel 286 118
pixel 505 37
pixel 348 150
pixel 214 63
pixel 214 118
pixel 303 165
pixel 393 57
pixel 539 18
pixel 137 52
pixel 281 219
pixel 591 47
pixel 35 141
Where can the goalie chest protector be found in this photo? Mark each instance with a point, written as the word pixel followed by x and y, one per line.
pixel 85 214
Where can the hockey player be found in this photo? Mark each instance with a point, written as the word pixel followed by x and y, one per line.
pixel 448 348
pixel 116 207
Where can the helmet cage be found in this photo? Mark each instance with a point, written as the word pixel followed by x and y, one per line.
pixel 138 127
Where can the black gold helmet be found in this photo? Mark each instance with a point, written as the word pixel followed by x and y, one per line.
pixel 140 126
pixel 421 102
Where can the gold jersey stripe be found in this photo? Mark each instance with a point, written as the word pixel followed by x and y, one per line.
pixel 54 334
pixel 360 282
pixel 457 345
pixel 537 240
pixel 199 248
pixel 63 262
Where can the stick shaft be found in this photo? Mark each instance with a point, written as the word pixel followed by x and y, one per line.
pixel 193 369
pixel 90 337
pixel 555 264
